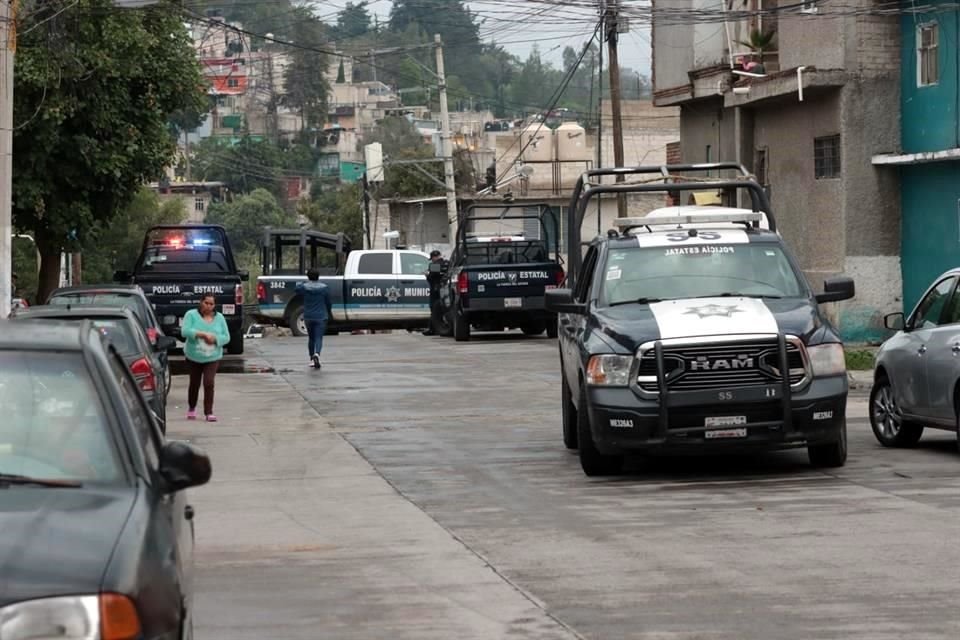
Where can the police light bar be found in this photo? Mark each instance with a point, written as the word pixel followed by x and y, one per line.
pixel 695 219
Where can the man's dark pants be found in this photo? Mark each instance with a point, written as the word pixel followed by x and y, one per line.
pixel 315 332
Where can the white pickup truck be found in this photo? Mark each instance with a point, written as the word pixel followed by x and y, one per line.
pixel 373 289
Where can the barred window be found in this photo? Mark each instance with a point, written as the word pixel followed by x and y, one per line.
pixel 826 157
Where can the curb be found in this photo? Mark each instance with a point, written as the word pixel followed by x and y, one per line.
pixel 860 381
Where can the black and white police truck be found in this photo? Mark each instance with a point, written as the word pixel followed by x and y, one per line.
pixel 693 330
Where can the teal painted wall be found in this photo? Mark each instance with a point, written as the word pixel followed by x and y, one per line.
pixel 930 116
pixel 931 225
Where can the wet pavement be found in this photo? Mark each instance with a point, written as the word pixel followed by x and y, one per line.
pixel 418 488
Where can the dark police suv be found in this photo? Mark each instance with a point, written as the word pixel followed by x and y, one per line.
pixel 694 330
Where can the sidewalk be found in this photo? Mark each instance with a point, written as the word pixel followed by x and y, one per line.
pixel 298 537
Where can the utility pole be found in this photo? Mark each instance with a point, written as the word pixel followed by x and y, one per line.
pixel 8 46
pixel 612 26
pixel 451 187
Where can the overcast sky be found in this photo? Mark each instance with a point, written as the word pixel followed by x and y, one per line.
pixel 508 23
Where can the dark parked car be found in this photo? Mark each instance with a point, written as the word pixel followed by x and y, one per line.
pixel 117 295
pixel 97 533
pixel 121 325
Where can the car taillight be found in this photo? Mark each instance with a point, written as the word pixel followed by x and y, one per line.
pixel 261 292
pixel 462 283
pixel 238 294
pixel 152 334
pixel 143 373
pixel 560 276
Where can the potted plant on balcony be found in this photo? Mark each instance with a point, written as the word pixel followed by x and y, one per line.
pixel 760 43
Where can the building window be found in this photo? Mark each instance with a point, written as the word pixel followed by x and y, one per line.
pixel 233 83
pixel 199 204
pixel 760 166
pixel 826 157
pixel 928 51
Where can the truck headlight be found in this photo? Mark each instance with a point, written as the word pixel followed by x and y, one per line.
pixel 827 360
pixel 609 370
pixel 104 617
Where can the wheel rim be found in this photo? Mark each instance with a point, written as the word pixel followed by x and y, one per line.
pixel 886 413
pixel 301 324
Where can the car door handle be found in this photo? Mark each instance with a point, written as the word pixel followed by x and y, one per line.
pixel 188 512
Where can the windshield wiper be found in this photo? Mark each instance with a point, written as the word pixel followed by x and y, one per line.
pixel 730 294
pixel 635 301
pixel 10 479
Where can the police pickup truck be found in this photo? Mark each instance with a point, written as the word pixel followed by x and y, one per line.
pixel 496 279
pixel 180 263
pixel 369 289
pixel 697 333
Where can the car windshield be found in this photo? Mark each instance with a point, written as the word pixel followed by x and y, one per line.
pixel 698 270
pixel 53 426
pixel 101 299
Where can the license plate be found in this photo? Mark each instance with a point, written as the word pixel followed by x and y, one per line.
pixel 725 421
pixel 725 433
pixel 513 302
pixel 229 309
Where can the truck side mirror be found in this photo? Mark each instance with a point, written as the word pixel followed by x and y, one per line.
pixel 837 289
pixel 244 275
pixel 561 301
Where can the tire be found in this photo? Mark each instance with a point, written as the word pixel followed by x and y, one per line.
pixel 592 461
pixel 569 416
pixel 833 454
pixel 461 327
pixel 298 325
pixel 235 346
pixel 552 329
pixel 886 420
pixel 534 329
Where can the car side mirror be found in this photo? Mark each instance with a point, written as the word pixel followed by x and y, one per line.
pixel 244 276
pixel 837 289
pixel 561 301
pixel 121 276
pixel 165 343
pixel 183 466
pixel 894 321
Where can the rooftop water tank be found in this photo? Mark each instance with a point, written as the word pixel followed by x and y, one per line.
pixel 572 142
pixel 541 147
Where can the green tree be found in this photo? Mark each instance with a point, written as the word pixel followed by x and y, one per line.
pixel 245 217
pixel 116 244
pixel 92 103
pixel 337 209
pixel 307 89
pixel 353 21
pixel 243 167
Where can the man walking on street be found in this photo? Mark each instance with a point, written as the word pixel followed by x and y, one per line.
pixel 316 313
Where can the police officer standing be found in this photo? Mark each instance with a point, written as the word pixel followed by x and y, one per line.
pixel 434 279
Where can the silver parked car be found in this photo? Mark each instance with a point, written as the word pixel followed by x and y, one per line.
pixel 918 368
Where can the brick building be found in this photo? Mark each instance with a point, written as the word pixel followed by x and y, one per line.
pixel 807 122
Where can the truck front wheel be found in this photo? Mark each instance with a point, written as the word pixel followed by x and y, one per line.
pixel 833 454
pixel 592 461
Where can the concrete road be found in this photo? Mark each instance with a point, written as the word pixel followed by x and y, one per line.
pixel 418 488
